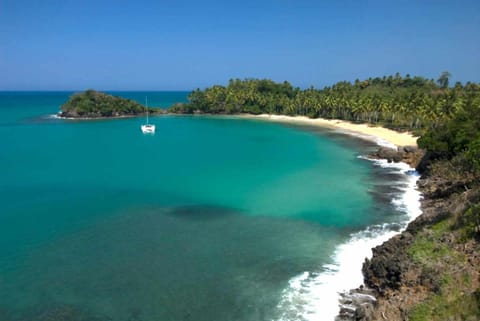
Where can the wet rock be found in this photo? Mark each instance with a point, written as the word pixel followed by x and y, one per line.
pixel 407 154
pixel 386 267
pixel 391 155
pixel 357 304
pixel 410 149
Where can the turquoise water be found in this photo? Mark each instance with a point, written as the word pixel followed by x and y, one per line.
pixel 208 219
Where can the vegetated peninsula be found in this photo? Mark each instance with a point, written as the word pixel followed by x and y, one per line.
pixel 404 103
pixel 431 271
pixel 94 104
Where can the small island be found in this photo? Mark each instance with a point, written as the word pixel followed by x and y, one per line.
pixel 94 104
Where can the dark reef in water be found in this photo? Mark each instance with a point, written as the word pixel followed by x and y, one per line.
pixel 57 313
pixel 201 213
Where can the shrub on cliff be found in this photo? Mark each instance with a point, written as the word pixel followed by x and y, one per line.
pixel 458 138
pixel 471 221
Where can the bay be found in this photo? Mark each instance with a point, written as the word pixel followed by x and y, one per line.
pixel 209 219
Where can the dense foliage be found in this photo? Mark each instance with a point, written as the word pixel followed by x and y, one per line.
pixel 448 118
pixel 393 101
pixel 458 137
pixel 91 104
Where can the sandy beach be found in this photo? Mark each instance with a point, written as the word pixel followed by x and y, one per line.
pixel 383 136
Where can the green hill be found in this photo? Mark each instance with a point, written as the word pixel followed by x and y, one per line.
pixel 93 104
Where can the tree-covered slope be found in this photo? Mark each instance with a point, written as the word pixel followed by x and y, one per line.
pixel 93 104
pixel 410 103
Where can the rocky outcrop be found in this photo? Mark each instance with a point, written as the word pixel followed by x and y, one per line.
pixel 357 304
pixel 428 260
pixel 388 264
pixel 407 154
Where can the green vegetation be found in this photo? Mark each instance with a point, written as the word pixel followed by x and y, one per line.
pixel 446 118
pixel 409 103
pixel 448 121
pixel 470 221
pixel 427 252
pixel 457 138
pixel 458 307
pixel 446 271
pixel 93 104
pixel 443 80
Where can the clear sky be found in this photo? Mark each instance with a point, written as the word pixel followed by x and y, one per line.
pixel 185 44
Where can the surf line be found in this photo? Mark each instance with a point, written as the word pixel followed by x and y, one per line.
pixel 315 295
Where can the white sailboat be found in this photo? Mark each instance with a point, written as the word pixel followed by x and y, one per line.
pixel 147 128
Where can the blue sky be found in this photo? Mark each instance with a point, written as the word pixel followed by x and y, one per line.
pixel 185 44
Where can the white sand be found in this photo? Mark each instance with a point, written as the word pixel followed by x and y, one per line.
pixel 365 131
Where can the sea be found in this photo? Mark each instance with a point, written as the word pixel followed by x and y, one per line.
pixel 211 218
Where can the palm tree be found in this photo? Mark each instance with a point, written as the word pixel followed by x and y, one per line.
pixel 443 79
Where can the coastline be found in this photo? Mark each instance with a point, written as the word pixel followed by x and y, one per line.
pixel 58 116
pixel 372 133
pixel 330 294
pixel 380 135
pixel 327 295
pixel 376 274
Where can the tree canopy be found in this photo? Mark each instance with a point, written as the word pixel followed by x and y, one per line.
pixel 394 101
pixel 93 104
pixel 444 79
pixel 447 118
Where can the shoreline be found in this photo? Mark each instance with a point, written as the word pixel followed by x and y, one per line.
pixel 331 292
pixel 345 275
pixel 365 131
pixel 349 256
pixel 57 116
pixel 328 294
pixel 380 135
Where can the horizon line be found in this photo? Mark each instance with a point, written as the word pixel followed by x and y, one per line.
pixel 81 90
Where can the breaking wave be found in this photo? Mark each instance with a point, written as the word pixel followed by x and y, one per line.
pixel 315 295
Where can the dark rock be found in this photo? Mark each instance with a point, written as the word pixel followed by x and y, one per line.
pixel 365 312
pixel 428 158
pixel 410 149
pixel 357 304
pixel 387 265
pixel 392 155
pixel 408 154
pixel 399 282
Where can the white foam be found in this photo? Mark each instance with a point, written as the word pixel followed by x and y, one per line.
pixel 377 140
pixel 315 296
pixel 409 201
pixel 70 118
pixel 57 116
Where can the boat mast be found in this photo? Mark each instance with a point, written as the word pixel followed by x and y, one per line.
pixel 146 106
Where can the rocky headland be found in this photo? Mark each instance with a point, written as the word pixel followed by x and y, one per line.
pixel 430 271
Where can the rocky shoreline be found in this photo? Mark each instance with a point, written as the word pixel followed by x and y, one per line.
pixel 430 268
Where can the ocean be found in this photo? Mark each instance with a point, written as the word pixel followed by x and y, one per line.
pixel 212 218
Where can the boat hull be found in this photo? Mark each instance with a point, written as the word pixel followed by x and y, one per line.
pixel 148 129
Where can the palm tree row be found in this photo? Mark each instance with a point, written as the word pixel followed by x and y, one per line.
pixel 393 101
